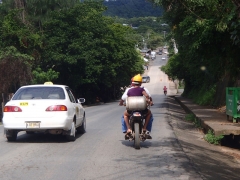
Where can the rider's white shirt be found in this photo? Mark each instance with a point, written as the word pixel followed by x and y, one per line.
pixel 124 96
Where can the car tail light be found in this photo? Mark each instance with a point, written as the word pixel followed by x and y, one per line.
pixel 12 109
pixel 57 108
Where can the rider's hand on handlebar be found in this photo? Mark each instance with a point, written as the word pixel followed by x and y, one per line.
pixel 151 103
pixel 122 103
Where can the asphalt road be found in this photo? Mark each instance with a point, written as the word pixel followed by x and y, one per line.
pixel 102 153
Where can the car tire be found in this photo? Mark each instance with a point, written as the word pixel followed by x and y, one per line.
pixel 82 129
pixel 11 135
pixel 72 133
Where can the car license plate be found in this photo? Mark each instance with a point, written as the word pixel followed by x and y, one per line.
pixel 32 125
pixel 23 103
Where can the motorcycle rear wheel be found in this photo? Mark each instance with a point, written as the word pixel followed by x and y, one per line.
pixel 136 134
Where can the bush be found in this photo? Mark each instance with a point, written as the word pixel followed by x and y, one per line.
pixel 190 117
pixel 203 96
pixel 212 139
pixel 181 85
pixel 194 119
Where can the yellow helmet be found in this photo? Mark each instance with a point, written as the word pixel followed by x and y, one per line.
pixel 137 79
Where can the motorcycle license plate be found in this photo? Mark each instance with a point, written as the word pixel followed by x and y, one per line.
pixel 136 114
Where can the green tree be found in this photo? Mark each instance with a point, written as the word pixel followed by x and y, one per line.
pixel 15 69
pixel 204 32
pixel 69 44
pixel 89 51
pixel 18 50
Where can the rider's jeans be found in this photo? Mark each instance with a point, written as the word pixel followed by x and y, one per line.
pixel 149 126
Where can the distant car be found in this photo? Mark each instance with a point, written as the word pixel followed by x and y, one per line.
pixel 145 79
pixel 163 58
pixel 44 108
pixel 160 52
pixel 153 55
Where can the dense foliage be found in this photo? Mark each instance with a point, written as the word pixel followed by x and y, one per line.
pixel 207 36
pixel 149 30
pixel 67 43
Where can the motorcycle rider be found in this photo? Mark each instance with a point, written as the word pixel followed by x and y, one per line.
pixel 165 89
pixel 136 90
pixel 124 97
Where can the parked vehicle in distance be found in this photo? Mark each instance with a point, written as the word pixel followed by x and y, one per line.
pixel 163 58
pixel 160 52
pixel 145 79
pixel 44 108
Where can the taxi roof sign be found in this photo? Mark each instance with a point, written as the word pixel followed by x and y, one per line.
pixel 48 83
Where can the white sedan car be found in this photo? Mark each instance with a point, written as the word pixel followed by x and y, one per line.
pixel 44 108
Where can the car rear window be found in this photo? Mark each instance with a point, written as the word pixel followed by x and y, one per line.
pixel 39 93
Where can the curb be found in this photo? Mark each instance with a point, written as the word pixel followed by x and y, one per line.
pixel 204 126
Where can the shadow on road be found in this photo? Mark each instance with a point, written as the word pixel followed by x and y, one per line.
pixel 42 138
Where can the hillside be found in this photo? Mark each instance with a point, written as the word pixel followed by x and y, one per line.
pixel 131 8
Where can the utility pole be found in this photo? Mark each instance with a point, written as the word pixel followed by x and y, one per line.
pixel 164 32
pixel 175 46
pixel 144 43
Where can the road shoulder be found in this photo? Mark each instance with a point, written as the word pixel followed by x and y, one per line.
pixel 211 161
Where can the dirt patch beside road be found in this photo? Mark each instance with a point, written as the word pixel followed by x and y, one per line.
pixel 211 161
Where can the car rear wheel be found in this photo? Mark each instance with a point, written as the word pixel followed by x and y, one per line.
pixel 72 134
pixel 11 135
pixel 29 132
pixel 82 129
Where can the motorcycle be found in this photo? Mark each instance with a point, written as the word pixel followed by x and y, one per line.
pixel 137 105
pixel 165 92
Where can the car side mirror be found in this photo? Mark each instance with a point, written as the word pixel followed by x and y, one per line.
pixel 81 100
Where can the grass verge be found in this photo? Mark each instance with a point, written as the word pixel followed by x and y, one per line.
pixel 192 118
pixel 209 137
pixel 212 139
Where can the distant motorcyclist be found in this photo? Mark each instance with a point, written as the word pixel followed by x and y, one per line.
pixel 165 90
